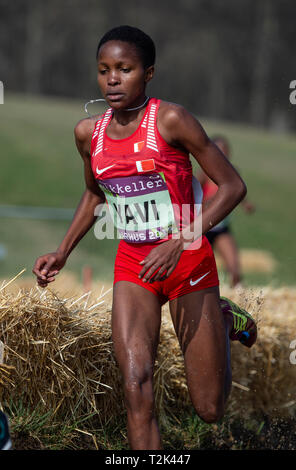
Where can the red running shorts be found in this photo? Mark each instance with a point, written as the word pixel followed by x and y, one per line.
pixel 196 270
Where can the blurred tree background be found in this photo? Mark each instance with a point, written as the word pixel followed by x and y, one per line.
pixel 229 60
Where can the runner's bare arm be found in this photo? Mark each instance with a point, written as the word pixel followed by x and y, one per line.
pixel 84 216
pixel 181 129
pixel 47 266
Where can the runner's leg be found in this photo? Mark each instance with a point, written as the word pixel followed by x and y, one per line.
pixel 227 248
pixel 203 335
pixel 136 317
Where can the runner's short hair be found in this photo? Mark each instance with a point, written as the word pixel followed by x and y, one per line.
pixel 135 36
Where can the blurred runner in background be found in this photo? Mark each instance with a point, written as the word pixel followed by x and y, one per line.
pixel 220 236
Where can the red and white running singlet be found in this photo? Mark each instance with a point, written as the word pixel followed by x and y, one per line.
pixel 147 183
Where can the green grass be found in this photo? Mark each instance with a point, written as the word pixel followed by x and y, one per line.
pixel 39 430
pixel 26 240
pixel 40 166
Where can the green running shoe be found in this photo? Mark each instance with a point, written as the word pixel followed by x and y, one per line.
pixel 244 328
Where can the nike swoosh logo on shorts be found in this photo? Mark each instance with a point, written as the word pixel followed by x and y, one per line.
pixel 192 283
pixel 103 169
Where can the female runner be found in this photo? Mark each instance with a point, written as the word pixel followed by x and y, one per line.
pixel 137 158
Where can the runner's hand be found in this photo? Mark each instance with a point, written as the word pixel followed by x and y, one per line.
pixel 163 259
pixel 46 267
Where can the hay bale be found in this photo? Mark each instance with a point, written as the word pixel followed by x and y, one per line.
pixel 267 376
pixel 257 261
pixel 66 284
pixel 58 352
pixel 252 261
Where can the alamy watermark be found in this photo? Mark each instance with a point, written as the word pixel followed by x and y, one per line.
pixel 293 353
pixel 292 96
pixel 1 93
pixel 148 222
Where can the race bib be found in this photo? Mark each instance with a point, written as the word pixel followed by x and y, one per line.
pixel 140 207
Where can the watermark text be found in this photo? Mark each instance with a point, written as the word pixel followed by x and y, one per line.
pixel 148 222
